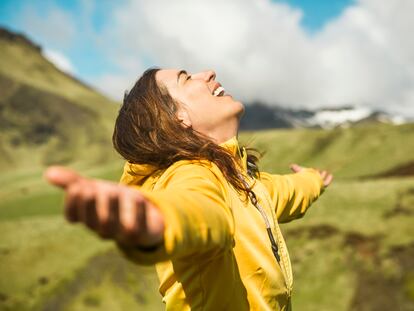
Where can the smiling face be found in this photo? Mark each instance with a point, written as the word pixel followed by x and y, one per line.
pixel 203 103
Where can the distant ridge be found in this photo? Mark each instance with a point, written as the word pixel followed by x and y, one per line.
pixel 6 34
pixel 260 116
pixel 20 38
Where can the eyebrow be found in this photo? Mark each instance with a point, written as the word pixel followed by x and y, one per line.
pixel 182 72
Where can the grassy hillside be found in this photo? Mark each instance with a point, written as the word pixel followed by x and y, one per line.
pixel 22 60
pixel 352 251
pixel 354 248
pixel 361 151
pixel 47 116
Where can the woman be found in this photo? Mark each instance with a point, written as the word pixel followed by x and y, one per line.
pixel 191 200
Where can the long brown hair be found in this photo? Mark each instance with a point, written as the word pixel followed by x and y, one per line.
pixel 147 131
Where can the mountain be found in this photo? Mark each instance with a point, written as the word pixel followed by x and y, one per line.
pixel 260 116
pixel 351 115
pixel 47 116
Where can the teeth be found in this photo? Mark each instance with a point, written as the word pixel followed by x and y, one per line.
pixel 219 90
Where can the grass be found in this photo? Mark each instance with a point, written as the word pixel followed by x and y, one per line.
pixel 44 258
pixel 351 232
pixel 323 280
pixel 357 236
pixel 25 193
pixel 37 255
pixel 347 152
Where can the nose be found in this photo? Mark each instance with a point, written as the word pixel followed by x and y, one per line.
pixel 208 75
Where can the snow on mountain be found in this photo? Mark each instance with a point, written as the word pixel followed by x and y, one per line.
pixel 329 118
pixel 261 116
pixel 346 116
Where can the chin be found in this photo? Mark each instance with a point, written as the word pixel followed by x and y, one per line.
pixel 233 108
pixel 240 109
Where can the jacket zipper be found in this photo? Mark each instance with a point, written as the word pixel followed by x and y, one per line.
pixel 274 245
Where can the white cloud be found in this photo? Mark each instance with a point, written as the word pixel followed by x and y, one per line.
pixel 59 60
pixel 260 50
pixel 114 86
pixel 51 25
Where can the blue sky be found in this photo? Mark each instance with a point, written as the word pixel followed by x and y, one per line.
pixel 318 12
pixel 83 52
pixel 86 55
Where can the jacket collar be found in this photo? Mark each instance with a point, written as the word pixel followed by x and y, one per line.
pixel 238 152
pixel 138 173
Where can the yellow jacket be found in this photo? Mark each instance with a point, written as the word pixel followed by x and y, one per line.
pixel 216 253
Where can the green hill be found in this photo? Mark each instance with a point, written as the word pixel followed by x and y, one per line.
pixel 47 116
pixel 361 151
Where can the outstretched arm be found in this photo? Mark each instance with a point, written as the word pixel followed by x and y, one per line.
pixel 111 210
pixel 187 215
pixel 292 194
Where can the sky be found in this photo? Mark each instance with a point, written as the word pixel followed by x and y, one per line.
pixel 292 53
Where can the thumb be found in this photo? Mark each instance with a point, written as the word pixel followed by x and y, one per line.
pixel 295 168
pixel 61 176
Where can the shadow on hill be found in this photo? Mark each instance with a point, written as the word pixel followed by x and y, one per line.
pixel 33 121
pixel 136 281
pixel 378 287
pixel 404 170
pixel 404 206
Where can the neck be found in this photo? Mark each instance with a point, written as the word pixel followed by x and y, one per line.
pixel 223 133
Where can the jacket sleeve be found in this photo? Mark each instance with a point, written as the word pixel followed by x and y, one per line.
pixel 198 221
pixel 292 194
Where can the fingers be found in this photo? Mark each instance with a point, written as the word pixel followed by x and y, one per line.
pixel 87 212
pixel 295 168
pixel 325 175
pixel 60 176
pixel 72 198
pixel 96 205
pixel 327 180
pixel 111 210
pixel 108 212
pixel 132 218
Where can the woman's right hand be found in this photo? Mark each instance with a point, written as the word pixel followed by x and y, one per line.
pixel 112 210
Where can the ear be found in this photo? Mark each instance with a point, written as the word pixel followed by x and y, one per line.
pixel 184 117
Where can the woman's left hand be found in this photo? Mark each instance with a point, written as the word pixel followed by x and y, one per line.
pixel 326 176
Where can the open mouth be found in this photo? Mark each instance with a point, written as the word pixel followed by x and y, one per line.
pixel 219 91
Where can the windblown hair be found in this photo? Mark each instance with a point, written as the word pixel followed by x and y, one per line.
pixel 148 131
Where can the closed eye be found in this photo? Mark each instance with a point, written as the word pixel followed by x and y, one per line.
pixel 188 77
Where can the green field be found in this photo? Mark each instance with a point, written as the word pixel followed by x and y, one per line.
pixel 48 264
pixel 354 249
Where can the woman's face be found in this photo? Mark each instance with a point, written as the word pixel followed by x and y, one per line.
pixel 203 103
